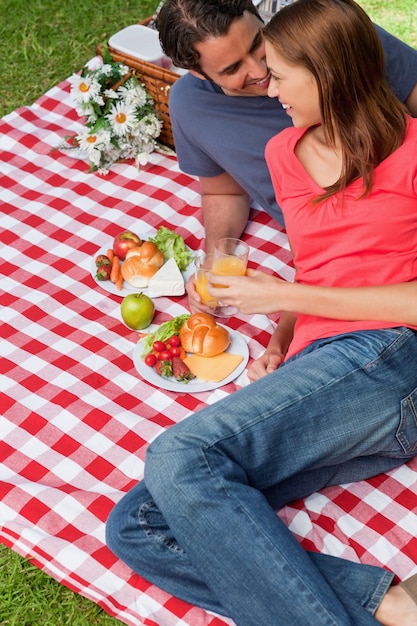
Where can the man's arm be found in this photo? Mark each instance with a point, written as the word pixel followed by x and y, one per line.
pixel 401 68
pixel 225 206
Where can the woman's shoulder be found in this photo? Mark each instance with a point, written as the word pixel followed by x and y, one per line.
pixel 409 146
pixel 285 139
pixel 411 132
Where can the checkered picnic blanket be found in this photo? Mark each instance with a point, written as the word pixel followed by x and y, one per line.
pixel 76 417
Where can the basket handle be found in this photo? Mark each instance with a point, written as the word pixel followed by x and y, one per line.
pixel 153 22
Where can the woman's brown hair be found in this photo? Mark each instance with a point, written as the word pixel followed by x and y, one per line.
pixel 336 41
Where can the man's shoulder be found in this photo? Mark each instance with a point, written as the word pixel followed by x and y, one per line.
pixel 189 89
pixel 400 64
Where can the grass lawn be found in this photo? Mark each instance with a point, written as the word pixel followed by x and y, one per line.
pixel 46 41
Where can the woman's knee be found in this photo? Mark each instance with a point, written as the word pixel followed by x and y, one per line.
pixel 123 525
pixel 113 532
pixel 171 459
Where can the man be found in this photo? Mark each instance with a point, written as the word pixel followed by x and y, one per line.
pixel 220 112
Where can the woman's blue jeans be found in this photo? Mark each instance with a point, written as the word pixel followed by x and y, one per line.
pixel 202 525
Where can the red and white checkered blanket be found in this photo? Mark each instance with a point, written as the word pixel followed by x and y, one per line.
pixel 76 417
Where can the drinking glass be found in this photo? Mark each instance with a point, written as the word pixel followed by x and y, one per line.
pixel 202 267
pixel 230 258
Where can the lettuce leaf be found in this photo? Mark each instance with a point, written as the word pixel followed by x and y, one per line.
pixel 163 332
pixel 173 246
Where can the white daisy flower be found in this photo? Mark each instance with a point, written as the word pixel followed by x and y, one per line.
pixel 124 69
pixel 84 88
pixel 121 118
pixel 89 141
pixel 94 65
pixel 110 93
pixel 85 110
pixel 133 94
pixel 128 126
pixel 106 69
pixel 150 125
pixel 142 158
pixel 95 157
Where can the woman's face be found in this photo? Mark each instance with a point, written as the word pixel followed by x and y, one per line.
pixel 295 88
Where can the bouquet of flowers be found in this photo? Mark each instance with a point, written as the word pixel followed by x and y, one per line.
pixel 120 121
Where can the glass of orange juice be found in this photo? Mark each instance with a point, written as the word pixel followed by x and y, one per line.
pixel 203 265
pixel 230 259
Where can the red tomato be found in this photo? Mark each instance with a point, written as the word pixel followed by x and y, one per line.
pixel 164 355
pixel 159 346
pixel 174 341
pixel 175 350
pixel 150 359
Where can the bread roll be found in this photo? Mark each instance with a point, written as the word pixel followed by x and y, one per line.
pixel 141 263
pixel 201 335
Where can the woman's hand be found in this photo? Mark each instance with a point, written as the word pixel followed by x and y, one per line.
pixel 254 293
pixel 266 364
pixel 277 348
pixel 194 300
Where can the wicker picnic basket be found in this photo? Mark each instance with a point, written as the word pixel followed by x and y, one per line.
pixel 157 81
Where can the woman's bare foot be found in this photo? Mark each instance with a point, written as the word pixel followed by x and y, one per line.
pixel 397 608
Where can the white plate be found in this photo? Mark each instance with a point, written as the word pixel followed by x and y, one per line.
pixel 109 286
pixel 238 345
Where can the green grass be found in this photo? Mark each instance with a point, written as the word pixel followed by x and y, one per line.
pixel 44 41
pixel 399 17
pixel 28 597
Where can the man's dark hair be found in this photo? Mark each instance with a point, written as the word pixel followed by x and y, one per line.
pixel 183 23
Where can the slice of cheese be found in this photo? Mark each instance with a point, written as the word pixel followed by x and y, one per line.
pixel 213 368
pixel 167 281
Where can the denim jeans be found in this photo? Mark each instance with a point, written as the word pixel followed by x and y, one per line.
pixel 203 525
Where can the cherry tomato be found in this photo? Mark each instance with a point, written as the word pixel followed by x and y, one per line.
pixel 174 341
pixel 150 359
pixel 175 350
pixel 164 355
pixel 159 346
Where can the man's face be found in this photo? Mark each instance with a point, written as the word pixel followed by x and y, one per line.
pixel 236 61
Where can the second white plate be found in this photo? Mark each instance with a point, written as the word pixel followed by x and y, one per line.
pixel 238 345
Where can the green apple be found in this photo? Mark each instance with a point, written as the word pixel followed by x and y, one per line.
pixel 137 310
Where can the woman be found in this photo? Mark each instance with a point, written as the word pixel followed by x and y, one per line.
pixel 334 398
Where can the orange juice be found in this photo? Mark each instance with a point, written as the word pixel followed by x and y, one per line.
pixel 201 286
pixel 229 266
